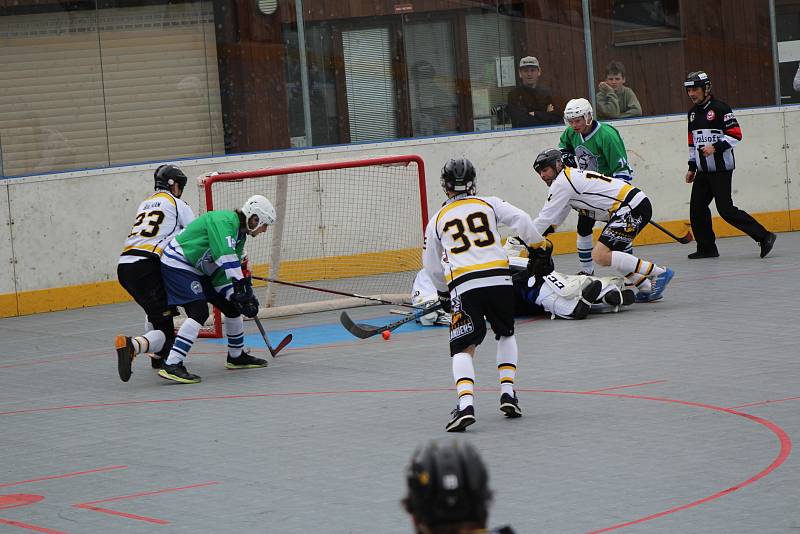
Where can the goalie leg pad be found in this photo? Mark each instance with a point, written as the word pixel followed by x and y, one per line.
pixel 565 285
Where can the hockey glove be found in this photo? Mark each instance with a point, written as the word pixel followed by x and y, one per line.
pixel 444 298
pixel 243 297
pixel 540 261
pixel 568 158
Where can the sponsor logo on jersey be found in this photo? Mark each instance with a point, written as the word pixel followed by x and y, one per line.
pixel 460 322
pixel 706 137
pixel 727 117
pixel 196 287
pixel 710 115
pixel 691 116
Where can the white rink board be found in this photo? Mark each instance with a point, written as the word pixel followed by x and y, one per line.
pixel 74 223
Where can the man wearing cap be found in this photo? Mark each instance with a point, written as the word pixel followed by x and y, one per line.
pixel 529 104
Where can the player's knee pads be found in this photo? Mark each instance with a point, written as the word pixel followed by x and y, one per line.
pixel 197 310
pixel 585 226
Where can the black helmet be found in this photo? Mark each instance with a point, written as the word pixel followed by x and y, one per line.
pixel 447 483
pixel 459 175
pixel 697 78
pixel 166 175
pixel 547 158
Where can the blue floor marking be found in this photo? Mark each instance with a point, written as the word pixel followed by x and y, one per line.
pixel 322 334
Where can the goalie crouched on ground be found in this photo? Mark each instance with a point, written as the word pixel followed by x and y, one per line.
pixel 202 265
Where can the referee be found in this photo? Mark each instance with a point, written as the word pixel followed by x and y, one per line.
pixel 713 132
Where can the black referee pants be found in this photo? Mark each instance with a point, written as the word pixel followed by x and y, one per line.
pixel 717 186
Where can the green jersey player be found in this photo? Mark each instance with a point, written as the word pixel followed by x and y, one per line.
pixel 591 145
pixel 202 265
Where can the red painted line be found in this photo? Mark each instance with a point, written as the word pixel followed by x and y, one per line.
pixel 221 397
pixel 784 452
pixel 764 402
pixel 90 505
pixel 122 514
pixel 67 475
pixel 626 386
pixel 18 499
pixel 29 527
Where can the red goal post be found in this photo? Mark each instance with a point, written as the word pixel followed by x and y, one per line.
pixel 350 225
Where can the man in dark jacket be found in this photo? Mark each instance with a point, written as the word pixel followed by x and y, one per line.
pixel 529 104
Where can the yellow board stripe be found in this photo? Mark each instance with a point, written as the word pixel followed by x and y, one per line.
pixel 109 292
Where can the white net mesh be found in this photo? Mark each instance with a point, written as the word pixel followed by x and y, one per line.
pixel 352 226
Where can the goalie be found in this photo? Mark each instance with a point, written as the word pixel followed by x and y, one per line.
pixel 560 295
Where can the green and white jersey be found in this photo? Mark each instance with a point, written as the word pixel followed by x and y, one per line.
pixel 601 151
pixel 211 245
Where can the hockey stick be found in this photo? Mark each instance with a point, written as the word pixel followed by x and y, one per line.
pixel 688 238
pixel 274 352
pixel 363 331
pixel 332 291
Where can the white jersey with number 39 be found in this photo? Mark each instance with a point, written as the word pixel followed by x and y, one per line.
pixel 158 219
pixel 463 247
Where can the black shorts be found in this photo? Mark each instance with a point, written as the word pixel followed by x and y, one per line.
pixel 142 279
pixel 472 309
pixel 623 228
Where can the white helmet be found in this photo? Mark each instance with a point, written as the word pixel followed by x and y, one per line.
pixel 260 207
pixel 578 107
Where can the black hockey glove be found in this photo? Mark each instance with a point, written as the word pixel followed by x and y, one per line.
pixel 540 261
pixel 568 158
pixel 243 297
pixel 444 298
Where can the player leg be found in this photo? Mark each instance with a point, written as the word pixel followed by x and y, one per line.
pixel 616 236
pixel 184 289
pixel 467 330
pixel 721 186
pixel 584 243
pixel 500 314
pixel 142 280
pixel 700 217
pixel 238 357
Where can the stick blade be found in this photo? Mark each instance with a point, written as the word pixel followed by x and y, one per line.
pixel 360 330
pixel 279 347
pixel 688 238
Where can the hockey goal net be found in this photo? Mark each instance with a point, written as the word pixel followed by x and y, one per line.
pixel 353 226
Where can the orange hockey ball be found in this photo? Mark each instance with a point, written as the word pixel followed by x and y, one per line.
pixel 386 334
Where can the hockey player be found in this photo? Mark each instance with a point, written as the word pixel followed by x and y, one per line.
pixel 159 217
pixel 591 145
pixel 562 295
pixel 476 285
pixel 625 209
pixel 202 265
pixel 448 490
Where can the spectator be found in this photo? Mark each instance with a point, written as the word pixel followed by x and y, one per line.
pixel 614 99
pixel 529 104
pixel 448 490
